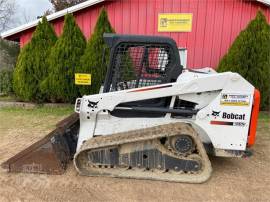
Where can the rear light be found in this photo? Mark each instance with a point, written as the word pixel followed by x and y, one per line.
pixel 254 118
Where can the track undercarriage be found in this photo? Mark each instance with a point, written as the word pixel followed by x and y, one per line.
pixel 171 152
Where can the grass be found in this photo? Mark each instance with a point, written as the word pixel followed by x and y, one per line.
pixel 35 122
pixel 39 111
pixel 264 116
pixel 7 98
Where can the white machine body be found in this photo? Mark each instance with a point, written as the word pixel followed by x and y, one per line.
pixel 224 105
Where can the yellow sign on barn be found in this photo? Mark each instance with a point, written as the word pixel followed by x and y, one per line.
pixel 82 79
pixel 175 22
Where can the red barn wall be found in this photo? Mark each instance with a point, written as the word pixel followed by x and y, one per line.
pixel 215 24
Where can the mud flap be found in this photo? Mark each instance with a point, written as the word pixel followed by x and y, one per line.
pixel 51 154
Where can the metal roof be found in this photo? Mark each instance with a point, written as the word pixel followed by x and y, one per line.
pixel 267 2
pixel 51 17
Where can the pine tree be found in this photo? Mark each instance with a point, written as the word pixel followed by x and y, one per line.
pixel 19 74
pixel 6 81
pixel 64 58
pixel 249 55
pixel 32 64
pixel 91 61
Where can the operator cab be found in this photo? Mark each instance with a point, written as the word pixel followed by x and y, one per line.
pixel 140 61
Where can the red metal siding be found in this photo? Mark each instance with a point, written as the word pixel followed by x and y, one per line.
pixel 216 23
pixel 25 37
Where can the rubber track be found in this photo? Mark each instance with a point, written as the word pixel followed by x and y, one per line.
pixel 167 130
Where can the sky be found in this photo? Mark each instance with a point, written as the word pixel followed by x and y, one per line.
pixel 28 10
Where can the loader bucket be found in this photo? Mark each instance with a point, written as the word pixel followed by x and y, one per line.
pixel 51 154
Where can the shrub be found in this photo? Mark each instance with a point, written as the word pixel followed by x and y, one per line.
pixel 64 58
pixel 19 74
pixel 9 53
pixel 91 61
pixel 249 55
pixel 6 81
pixel 32 64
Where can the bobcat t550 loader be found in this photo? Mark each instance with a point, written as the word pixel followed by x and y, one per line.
pixel 152 119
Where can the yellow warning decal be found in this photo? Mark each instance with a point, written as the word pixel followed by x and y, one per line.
pixel 229 99
pixel 82 79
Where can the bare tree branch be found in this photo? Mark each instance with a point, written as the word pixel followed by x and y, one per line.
pixel 7 9
pixel 62 4
pixel 26 17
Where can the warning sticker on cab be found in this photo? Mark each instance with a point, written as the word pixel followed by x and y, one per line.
pixel 234 99
pixel 82 79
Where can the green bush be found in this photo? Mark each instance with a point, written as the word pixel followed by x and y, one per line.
pixel 19 74
pixel 64 58
pixel 249 55
pixel 32 64
pixel 6 81
pixel 91 61
pixel 9 53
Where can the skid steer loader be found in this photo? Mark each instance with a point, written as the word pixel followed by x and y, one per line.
pixel 152 120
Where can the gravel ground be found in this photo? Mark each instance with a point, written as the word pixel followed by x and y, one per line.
pixel 232 179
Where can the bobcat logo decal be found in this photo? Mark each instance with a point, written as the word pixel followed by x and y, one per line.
pixel 92 104
pixel 215 113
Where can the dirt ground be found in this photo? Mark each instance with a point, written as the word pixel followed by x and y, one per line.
pixel 232 179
